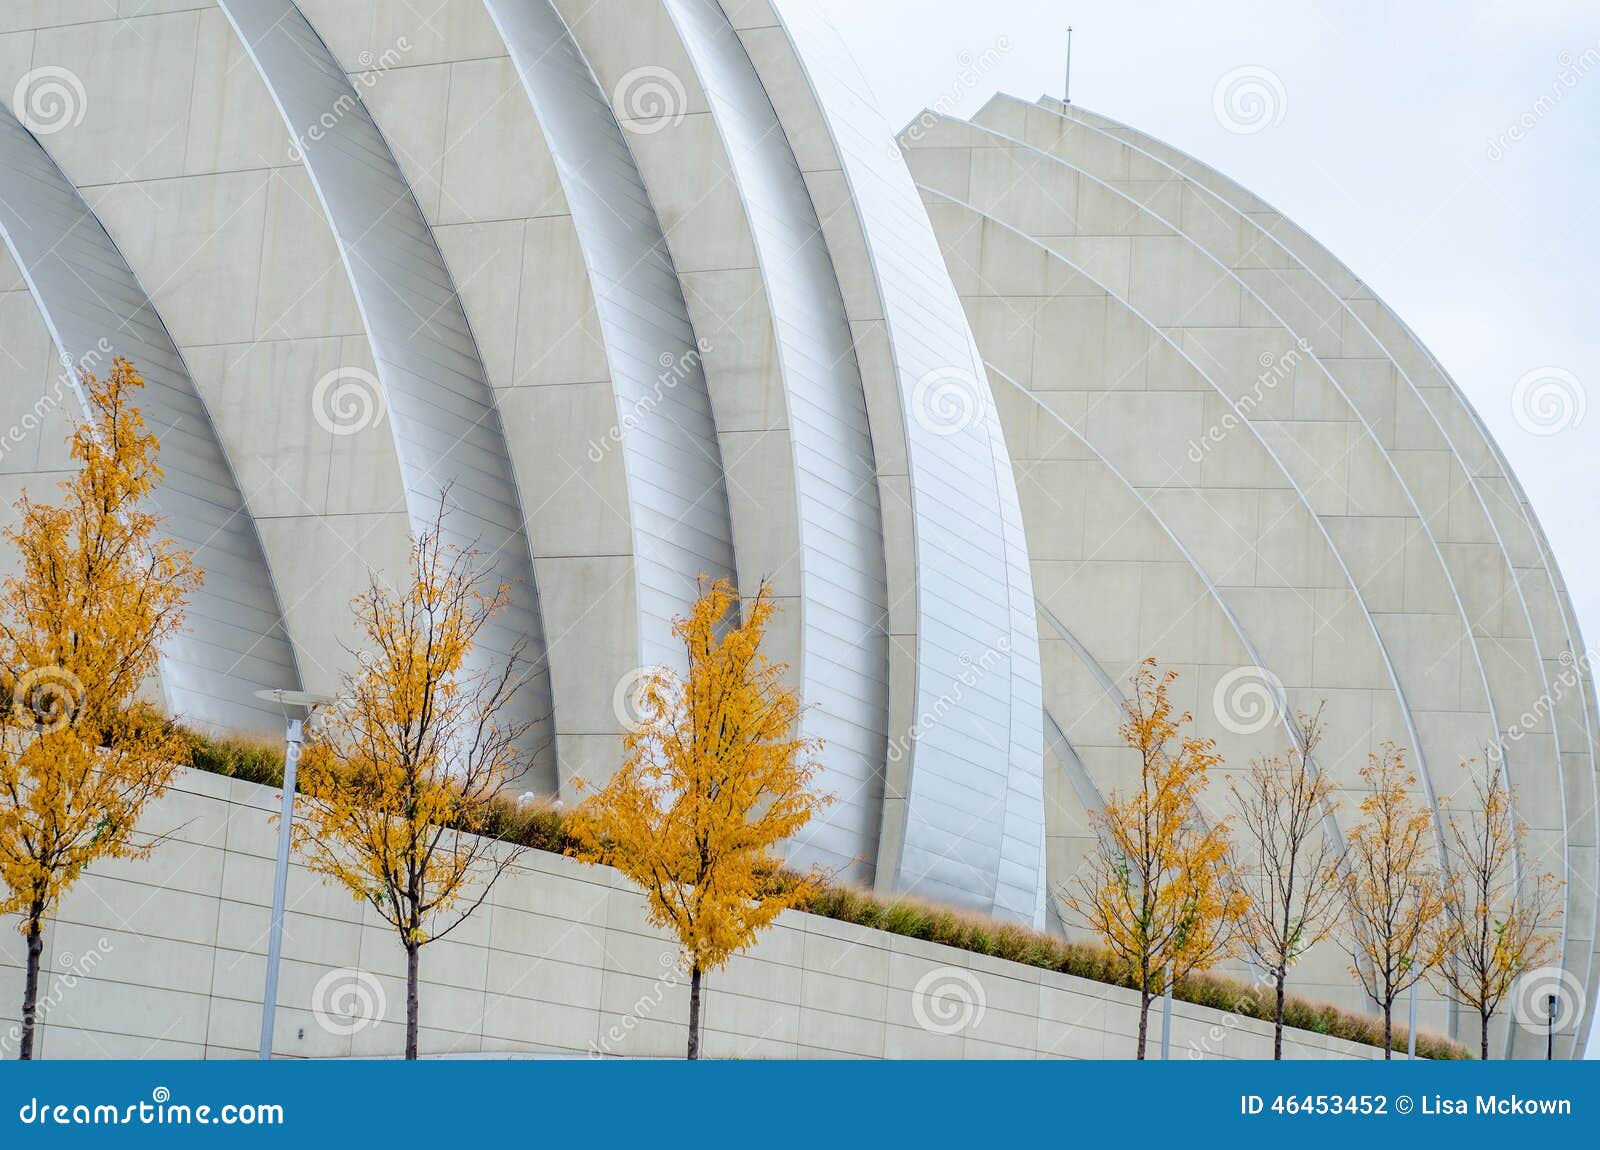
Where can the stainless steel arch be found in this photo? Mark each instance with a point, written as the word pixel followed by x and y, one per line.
pixel 678 500
pixel 1067 755
pixel 844 661
pixel 235 642
pixel 440 406
pixel 974 812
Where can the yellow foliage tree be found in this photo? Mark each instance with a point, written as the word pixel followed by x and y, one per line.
pixel 713 779
pixel 401 778
pixel 1291 876
pixel 98 590
pixel 1392 893
pixel 1158 889
pixel 1497 924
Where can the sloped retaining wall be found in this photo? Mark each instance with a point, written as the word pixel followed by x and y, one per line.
pixel 164 958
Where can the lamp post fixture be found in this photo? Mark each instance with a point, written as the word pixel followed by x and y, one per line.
pixel 1411 1027
pixel 1166 1020
pixel 296 707
pixel 1550 1029
pixel 1411 1023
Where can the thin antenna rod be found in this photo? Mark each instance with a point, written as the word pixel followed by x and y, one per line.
pixel 1067 90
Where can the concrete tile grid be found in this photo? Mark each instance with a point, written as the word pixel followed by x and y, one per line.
pixel 165 957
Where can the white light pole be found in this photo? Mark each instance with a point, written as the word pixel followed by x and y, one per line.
pixel 1411 1034
pixel 1411 1026
pixel 1166 1020
pixel 296 707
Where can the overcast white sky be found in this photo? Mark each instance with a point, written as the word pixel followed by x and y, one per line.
pixel 1384 153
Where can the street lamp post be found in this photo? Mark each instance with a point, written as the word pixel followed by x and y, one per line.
pixel 1166 1020
pixel 1550 1029
pixel 296 707
pixel 1411 1024
pixel 1411 1032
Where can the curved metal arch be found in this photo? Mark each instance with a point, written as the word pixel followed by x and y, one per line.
pixel 844 658
pixel 441 409
pixel 974 811
pixel 1082 785
pixel 1098 673
pixel 678 500
pixel 235 642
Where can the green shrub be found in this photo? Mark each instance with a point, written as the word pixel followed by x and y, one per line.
pixel 256 760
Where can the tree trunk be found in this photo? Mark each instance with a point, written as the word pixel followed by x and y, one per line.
pixel 694 1012
pixel 1388 1030
pixel 413 954
pixel 1277 1022
pixel 30 986
pixel 1483 1037
pixel 1144 1020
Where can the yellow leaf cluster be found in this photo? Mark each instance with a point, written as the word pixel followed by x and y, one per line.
pixel 1497 924
pixel 82 621
pixel 399 776
pixel 1158 889
pixel 714 778
pixel 1393 892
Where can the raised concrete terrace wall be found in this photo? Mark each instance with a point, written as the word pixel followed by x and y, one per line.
pixel 164 958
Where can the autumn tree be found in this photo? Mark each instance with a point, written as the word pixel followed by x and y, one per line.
pixel 1497 924
pixel 1290 878
pixel 1157 889
pixel 1392 892
pixel 714 778
pixel 98 589
pixel 401 778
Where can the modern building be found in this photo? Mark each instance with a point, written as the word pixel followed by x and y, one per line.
pixel 644 290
